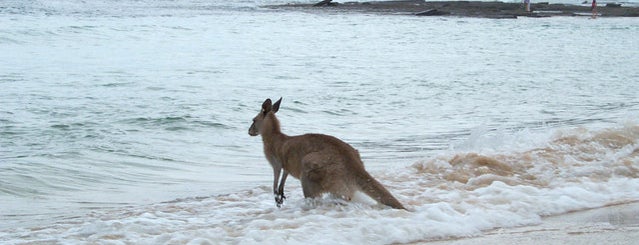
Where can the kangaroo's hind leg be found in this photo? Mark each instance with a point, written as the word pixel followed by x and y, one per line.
pixel 311 188
pixel 313 172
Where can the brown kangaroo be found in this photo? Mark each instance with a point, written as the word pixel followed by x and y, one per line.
pixel 323 163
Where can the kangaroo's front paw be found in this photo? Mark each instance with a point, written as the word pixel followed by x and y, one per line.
pixel 279 199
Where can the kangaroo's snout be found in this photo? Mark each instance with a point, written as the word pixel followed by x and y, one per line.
pixel 253 130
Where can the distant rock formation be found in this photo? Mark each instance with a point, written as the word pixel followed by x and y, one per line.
pixel 477 9
pixel 433 12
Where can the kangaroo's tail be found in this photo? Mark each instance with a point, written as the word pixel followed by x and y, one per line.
pixel 376 190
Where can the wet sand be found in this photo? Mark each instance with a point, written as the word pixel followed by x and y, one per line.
pixel 464 8
pixel 617 224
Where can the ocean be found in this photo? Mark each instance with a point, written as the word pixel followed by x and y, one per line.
pixel 126 121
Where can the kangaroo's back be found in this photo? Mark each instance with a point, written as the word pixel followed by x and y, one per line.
pixel 336 153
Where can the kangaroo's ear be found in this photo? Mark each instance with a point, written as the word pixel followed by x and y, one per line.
pixel 266 106
pixel 276 106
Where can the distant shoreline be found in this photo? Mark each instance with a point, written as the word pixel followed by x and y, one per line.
pixel 496 10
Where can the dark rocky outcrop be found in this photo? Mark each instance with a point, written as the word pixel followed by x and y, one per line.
pixel 464 8
pixel 432 12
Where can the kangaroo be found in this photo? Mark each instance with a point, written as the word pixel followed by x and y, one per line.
pixel 323 163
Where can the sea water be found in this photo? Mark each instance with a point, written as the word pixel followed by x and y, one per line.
pixel 126 121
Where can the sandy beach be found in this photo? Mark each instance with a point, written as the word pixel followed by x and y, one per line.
pixel 615 224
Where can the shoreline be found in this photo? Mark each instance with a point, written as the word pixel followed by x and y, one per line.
pixel 614 224
pixel 477 9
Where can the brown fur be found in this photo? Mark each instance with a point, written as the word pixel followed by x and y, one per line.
pixel 323 163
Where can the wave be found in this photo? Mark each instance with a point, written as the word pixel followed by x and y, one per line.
pixel 570 156
pixel 455 194
pixel 175 123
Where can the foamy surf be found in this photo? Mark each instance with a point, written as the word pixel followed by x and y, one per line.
pixel 453 195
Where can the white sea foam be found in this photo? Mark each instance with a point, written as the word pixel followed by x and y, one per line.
pixel 456 194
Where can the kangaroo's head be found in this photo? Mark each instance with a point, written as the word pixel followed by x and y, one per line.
pixel 258 121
